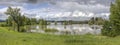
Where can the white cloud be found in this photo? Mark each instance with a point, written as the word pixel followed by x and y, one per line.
pixel 3 10
pixel 61 8
pixel 82 14
pixel 106 14
pixel 52 13
pixel 71 6
pixel 92 1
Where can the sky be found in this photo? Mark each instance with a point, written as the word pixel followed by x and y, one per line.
pixel 58 9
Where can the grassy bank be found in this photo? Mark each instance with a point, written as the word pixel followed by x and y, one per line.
pixel 15 38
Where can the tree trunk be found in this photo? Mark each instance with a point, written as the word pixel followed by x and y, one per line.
pixel 18 27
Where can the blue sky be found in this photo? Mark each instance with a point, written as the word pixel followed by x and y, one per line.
pixel 52 9
pixel 33 6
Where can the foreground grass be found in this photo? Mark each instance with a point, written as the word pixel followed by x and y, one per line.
pixel 15 38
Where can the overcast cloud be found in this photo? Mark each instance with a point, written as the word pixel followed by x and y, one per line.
pixel 59 8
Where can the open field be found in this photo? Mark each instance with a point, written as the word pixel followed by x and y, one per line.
pixel 16 38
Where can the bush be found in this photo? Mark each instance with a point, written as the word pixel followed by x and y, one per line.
pixel 51 30
pixel 3 25
pixel 108 29
pixel 23 29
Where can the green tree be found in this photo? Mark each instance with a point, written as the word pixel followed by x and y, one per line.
pixel 91 21
pixel 115 16
pixel 107 29
pixel 33 21
pixel 43 23
pixel 65 23
pixel 9 21
pixel 96 21
pixel 55 22
pixel 15 14
pixel 114 20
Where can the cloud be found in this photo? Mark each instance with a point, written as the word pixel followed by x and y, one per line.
pixel 9 2
pixel 41 13
pixel 12 2
pixel 61 8
pixel 22 2
pixel 71 6
pixel 3 10
pixel 50 13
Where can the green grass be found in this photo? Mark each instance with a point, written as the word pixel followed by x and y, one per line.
pixel 16 38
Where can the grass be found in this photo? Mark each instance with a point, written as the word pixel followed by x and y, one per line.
pixel 16 38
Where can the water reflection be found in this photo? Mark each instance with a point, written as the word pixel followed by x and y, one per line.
pixel 70 29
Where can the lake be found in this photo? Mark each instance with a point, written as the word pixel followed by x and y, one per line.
pixel 74 29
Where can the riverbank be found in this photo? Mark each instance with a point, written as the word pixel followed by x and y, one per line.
pixel 17 38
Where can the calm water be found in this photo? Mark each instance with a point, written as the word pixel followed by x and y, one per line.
pixel 70 29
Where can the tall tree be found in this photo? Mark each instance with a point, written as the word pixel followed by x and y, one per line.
pixel 114 19
pixel 16 16
pixel 43 23
pixel 115 16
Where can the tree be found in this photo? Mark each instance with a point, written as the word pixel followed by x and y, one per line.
pixel 65 23
pixel 16 16
pixel 70 22
pixel 33 21
pixel 107 29
pixel 96 21
pixel 115 16
pixel 55 22
pixel 9 21
pixel 43 23
pixel 114 20
pixel 91 21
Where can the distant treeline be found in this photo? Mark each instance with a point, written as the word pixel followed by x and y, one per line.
pixel 93 20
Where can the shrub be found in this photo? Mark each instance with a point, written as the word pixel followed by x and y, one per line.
pixel 50 30
pixel 3 25
pixel 108 30
pixel 23 29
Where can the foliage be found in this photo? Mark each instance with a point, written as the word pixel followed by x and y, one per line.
pixel 107 29
pixel 43 23
pixel 65 22
pixel 15 15
pixel 55 22
pixel 114 22
pixel 50 30
pixel 33 21
pixel 96 21
pixel 16 19
pixel 3 24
